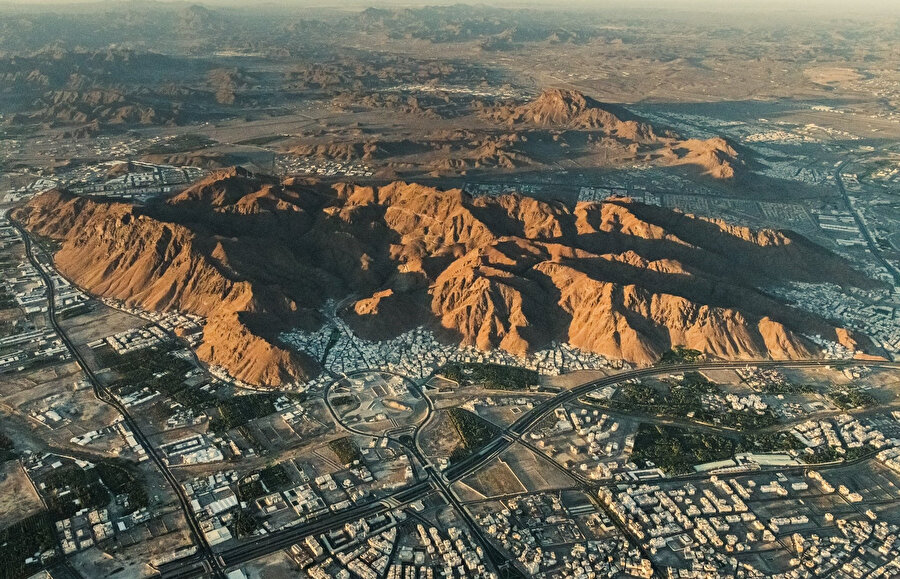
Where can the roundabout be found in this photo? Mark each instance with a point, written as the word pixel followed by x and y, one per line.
pixel 376 402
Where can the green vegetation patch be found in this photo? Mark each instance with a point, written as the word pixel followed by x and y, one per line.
pixel 770 442
pixel 474 432
pixel 270 479
pixel 638 395
pixel 250 490
pixel 7 300
pixel 274 477
pixel 179 144
pixel 684 398
pixel 156 369
pixel 831 454
pixel 239 410
pixel 681 355
pixel 7 448
pixel 849 397
pixel 493 376
pixel 122 478
pixel 70 489
pixel 34 534
pixel 676 450
pixel 343 400
pixel 346 450
pixel 244 523
pixel 788 388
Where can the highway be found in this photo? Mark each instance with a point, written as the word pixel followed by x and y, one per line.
pixel 435 478
pixel 284 538
pixel 870 241
pixel 536 414
pixel 207 560
pixel 281 539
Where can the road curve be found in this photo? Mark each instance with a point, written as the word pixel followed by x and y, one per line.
pixel 206 562
pixel 283 539
pixel 207 559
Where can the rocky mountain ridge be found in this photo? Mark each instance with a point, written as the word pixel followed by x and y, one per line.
pixel 255 256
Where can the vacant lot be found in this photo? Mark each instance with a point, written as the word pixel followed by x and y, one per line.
pixel 496 479
pixel 17 497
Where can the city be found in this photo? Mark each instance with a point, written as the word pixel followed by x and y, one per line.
pixel 449 291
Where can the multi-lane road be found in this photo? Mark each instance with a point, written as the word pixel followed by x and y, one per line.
pixel 861 224
pixel 206 558
pixel 502 442
pixel 207 563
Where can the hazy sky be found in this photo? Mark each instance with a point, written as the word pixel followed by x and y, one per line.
pixel 829 7
pixel 713 5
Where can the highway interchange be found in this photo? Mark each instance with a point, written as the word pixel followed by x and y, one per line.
pixel 439 483
pixel 207 563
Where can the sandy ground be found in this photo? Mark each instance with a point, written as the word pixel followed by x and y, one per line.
pixel 18 498
pixel 534 472
pixel 467 493
pixel 274 566
pixel 439 438
pixel 100 323
pixel 831 74
pixel 52 386
pixel 573 379
pixel 496 479
pixel 131 562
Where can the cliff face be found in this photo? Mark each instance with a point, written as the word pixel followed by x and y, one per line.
pixel 568 110
pixel 256 256
pixel 113 251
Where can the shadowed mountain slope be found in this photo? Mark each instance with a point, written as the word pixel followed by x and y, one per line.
pixel 257 256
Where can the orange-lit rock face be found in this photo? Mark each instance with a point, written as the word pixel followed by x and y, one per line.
pixel 619 278
pixel 568 110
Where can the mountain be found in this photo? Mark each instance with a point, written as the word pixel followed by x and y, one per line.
pixel 257 256
pixel 556 107
pixel 120 253
pixel 107 107
pixel 568 110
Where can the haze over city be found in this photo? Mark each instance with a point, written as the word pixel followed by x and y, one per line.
pixel 418 290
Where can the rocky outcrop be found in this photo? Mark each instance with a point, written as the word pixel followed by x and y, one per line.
pixel 105 107
pixel 256 256
pixel 114 251
pixel 572 110
pixel 613 129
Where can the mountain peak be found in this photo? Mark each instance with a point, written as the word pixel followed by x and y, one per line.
pixel 618 278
